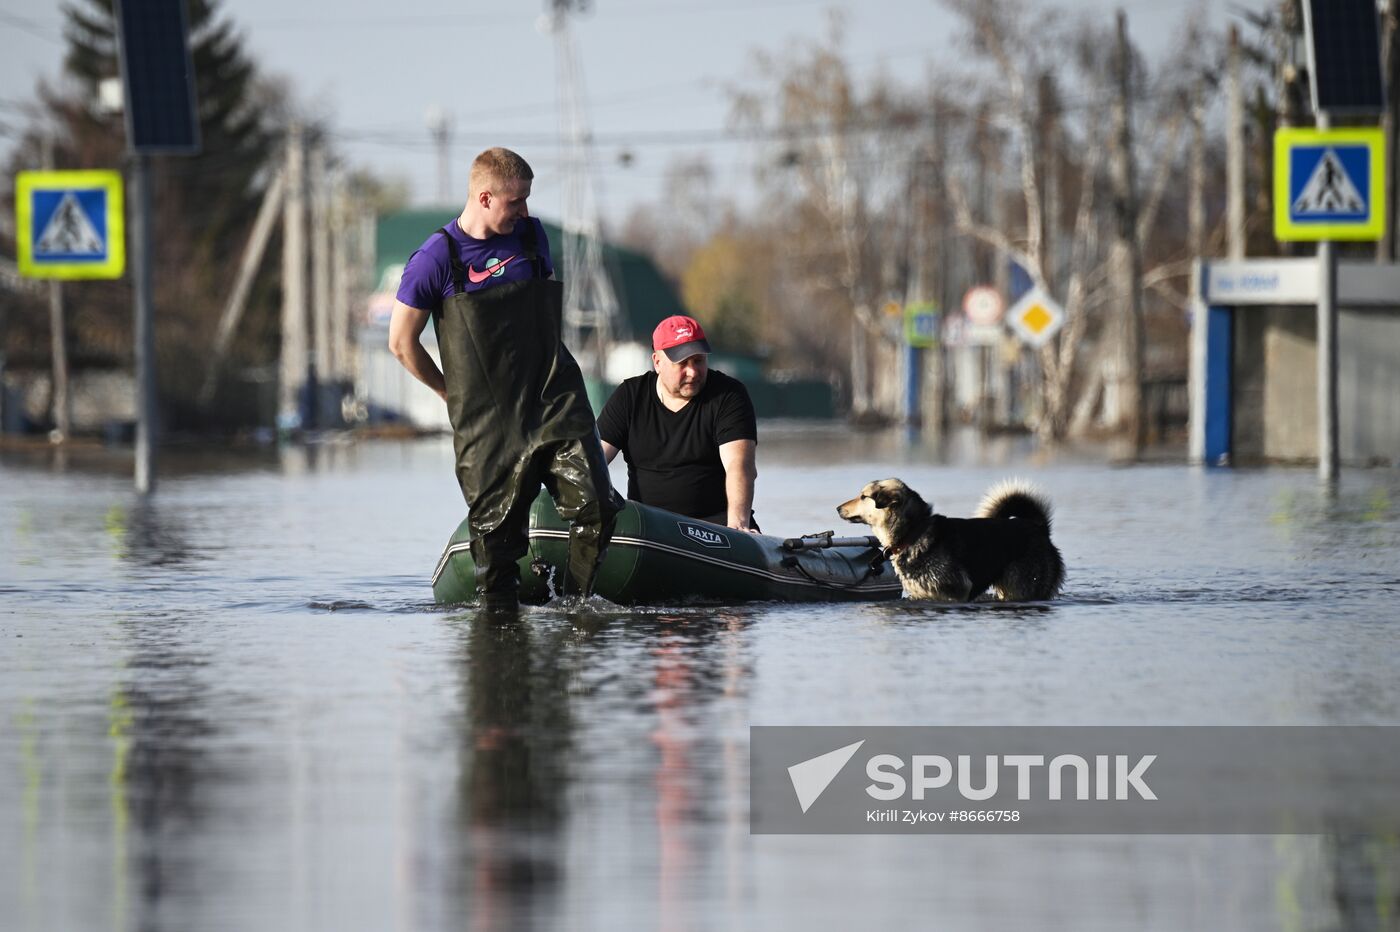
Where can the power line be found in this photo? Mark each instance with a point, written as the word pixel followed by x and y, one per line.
pixel 33 27
pixel 632 11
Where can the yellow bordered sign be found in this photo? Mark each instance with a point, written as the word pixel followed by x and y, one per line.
pixel 1329 184
pixel 69 224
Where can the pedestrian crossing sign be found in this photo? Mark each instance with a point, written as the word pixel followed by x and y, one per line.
pixel 69 224
pixel 1329 184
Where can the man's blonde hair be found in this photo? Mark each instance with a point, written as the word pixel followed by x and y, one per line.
pixel 497 165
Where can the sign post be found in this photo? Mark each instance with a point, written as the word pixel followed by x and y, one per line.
pixel 1329 184
pixel 1326 184
pixel 158 75
pixel 68 225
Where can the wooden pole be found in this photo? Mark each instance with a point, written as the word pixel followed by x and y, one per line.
pixel 247 269
pixel 1124 256
pixel 320 281
pixel 1196 204
pixel 340 281
pixel 1234 152
pixel 293 358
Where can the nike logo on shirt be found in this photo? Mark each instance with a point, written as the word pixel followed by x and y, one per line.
pixel 476 278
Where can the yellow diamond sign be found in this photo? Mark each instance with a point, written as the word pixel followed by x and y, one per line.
pixel 1036 318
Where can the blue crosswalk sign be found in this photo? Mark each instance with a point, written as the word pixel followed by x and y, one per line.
pixel 69 224
pixel 1329 184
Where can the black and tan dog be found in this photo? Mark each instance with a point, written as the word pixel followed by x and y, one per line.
pixel 1005 548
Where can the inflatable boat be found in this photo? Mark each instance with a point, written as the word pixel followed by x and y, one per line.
pixel 657 557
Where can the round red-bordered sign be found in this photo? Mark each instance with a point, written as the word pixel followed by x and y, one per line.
pixel 983 305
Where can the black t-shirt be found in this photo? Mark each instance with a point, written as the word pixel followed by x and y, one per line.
pixel 673 456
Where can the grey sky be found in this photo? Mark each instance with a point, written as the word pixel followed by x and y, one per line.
pixel 651 67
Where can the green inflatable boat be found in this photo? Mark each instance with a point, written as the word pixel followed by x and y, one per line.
pixel 657 557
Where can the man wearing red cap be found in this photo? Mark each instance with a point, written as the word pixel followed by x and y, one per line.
pixel 687 432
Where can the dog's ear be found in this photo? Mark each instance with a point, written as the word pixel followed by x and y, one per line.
pixel 884 498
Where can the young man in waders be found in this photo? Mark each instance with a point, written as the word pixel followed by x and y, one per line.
pixel 515 396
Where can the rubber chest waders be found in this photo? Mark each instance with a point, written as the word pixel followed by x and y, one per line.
pixel 520 418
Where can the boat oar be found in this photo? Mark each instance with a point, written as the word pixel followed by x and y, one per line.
pixel 826 540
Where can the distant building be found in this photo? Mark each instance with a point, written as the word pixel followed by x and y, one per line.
pixel 1254 365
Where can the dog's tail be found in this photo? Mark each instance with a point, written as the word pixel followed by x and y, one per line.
pixel 1016 498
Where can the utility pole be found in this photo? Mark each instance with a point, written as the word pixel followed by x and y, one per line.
pixel 1125 259
pixel 591 305
pixel 320 284
pixel 293 360
pixel 238 297
pixel 937 404
pixel 918 287
pixel 1049 118
pixel 1234 151
pixel 340 281
pixel 60 405
pixel 440 128
pixel 1196 203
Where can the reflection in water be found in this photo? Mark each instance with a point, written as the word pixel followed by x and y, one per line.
pixel 688 675
pixel 158 732
pixel 515 736
pixel 145 534
pixel 522 755
pixel 1365 878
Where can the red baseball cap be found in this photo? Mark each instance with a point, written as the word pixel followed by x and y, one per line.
pixel 679 337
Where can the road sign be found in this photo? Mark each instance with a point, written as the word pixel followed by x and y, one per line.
pixel 1036 317
pixel 954 331
pixel 69 224
pixel 921 324
pixel 983 305
pixel 1329 184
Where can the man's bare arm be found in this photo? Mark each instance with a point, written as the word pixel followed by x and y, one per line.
pixel 609 450
pixel 740 470
pixel 405 329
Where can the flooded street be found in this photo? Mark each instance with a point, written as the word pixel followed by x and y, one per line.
pixel 236 706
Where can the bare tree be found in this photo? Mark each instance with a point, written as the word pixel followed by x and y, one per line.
pixel 844 156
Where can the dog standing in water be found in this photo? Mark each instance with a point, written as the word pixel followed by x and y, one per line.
pixel 1005 548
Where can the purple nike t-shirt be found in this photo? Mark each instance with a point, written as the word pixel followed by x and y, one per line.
pixel 427 277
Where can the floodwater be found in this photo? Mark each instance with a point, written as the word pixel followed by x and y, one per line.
pixel 236 707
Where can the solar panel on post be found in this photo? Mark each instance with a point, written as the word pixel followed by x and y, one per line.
pixel 159 77
pixel 1344 56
